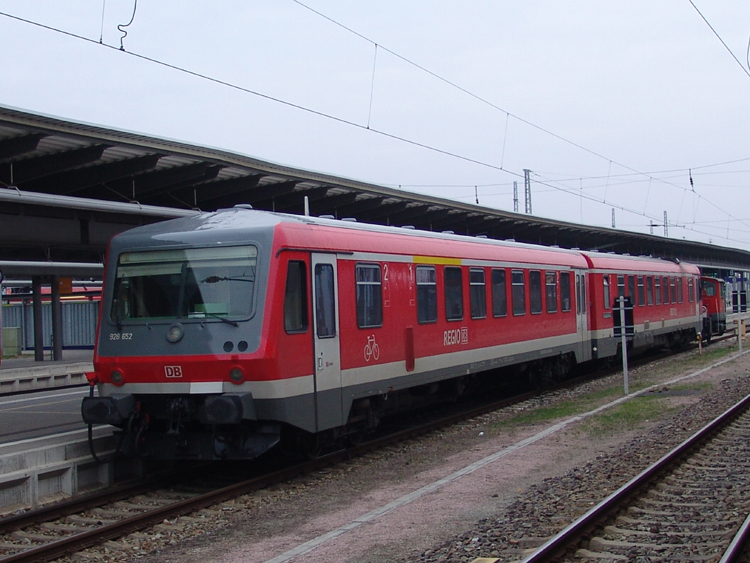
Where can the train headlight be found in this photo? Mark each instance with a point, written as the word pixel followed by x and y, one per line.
pixel 236 375
pixel 117 377
pixel 175 333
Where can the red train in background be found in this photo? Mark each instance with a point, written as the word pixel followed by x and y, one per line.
pixel 714 299
pixel 225 333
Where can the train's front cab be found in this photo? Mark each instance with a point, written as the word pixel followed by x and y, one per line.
pixel 181 335
pixel 713 297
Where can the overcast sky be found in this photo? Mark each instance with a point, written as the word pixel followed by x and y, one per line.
pixel 611 105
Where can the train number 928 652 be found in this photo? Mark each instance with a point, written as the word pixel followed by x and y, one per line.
pixel 121 336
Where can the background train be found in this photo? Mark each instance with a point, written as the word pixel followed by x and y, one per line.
pixel 714 299
pixel 222 334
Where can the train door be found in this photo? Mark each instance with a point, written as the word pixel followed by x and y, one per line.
pixel 327 345
pixel 582 317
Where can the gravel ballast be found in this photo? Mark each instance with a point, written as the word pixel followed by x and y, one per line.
pixel 502 509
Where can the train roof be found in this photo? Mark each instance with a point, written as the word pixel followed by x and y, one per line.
pixel 240 224
pixel 601 261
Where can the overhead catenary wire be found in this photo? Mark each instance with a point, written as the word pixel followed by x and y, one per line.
pixel 745 70
pixel 484 100
pixel 265 96
pixel 353 123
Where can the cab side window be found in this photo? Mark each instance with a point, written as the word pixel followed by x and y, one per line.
pixel 295 298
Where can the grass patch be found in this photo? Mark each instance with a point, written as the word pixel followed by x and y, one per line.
pixel 627 416
pixel 641 378
pixel 714 353
pixel 564 409
pixel 630 414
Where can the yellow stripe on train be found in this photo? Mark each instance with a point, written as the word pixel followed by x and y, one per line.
pixel 437 260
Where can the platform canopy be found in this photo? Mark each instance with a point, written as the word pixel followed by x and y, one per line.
pixel 66 188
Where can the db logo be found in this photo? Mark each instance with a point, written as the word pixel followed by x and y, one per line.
pixel 173 371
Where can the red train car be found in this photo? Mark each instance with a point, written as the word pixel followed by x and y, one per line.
pixel 221 333
pixel 664 296
pixel 713 296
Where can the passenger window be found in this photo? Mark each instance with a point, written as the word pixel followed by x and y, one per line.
pixel 691 290
pixel 657 289
pixel 477 294
pixel 426 295
pixel 325 301
pixel 649 290
pixel 518 289
pixel 535 291
pixel 369 296
pixel 580 293
pixel 680 283
pixel 631 290
pixel 295 298
pixel 565 291
pixel 454 305
pixel 672 290
pixel 605 281
pixel 499 295
pixel 665 290
pixel 641 292
pixel 551 291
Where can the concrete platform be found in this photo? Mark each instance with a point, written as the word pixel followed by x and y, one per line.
pixel 23 374
pixel 43 470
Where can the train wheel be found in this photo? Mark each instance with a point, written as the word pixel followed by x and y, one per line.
pixel 311 446
pixel 541 375
pixel 355 438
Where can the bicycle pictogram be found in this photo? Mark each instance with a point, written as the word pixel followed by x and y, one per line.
pixel 372 350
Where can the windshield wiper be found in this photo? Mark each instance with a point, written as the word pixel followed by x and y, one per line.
pixel 222 319
pixel 216 279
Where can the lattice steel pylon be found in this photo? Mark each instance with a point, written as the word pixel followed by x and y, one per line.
pixel 527 189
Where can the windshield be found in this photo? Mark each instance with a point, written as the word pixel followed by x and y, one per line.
pixel 190 283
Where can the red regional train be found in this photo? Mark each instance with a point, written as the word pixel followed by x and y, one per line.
pixel 224 333
pixel 713 297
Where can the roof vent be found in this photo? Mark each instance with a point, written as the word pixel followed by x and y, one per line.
pixel 408 227
pixel 554 246
pixel 448 233
pixel 243 206
pixel 327 217
pixel 510 240
pixel 350 219
pixel 481 236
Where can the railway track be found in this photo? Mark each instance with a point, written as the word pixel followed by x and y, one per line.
pixel 69 527
pixel 691 505
pixel 77 524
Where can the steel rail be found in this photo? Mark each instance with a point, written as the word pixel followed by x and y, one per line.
pixel 581 528
pixel 138 522
pixel 736 549
pixel 82 503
